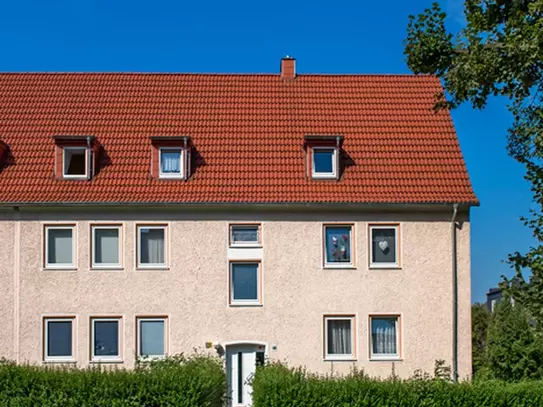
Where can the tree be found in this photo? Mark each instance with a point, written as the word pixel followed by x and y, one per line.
pixel 480 320
pixel 513 350
pixel 498 53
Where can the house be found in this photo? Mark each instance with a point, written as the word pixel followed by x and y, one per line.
pixel 317 219
pixel 493 297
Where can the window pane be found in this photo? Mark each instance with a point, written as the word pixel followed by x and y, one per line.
pixel 244 234
pixel 338 244
pixel 339 337
pixel 106 338
pixel 106 246
pixel 383 245
pixel 170 161
pixel 383 336
pixel 59 338
pixel 59 246
pixel 74 162
pixel 152 338
pixel 152 246
pixel 245 281
pixel 323 161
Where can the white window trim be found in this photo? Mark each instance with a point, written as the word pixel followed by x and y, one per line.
pixel 181 173
pixel 378 265
pixel 339 265
pixel 245 226
pixel 78 176
pixel 386 357
pixel 352 355
pixel 115 358
pixel 324 175
pixel 55 266
pixel 151 266
pixel 138 327
pixel 95 265
pixel 60 359
pixel 258 300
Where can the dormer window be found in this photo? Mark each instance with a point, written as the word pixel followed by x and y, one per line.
pixel 75 162
pixel 171 162
pixel 76 157
pixel 324 162
pixel 323 157
pixel 171 157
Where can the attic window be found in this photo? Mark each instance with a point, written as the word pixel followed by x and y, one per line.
pixel 171 162
pixel 324 162
pixel 75 162
pixel 171 157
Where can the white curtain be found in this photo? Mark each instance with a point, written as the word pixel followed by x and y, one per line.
pixel 339 337
pixel 152 246
pixel 384 337
pixel 171 162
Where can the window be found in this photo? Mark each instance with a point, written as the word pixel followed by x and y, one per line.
pixel 74 162
pixel 151 246
pixel 244 235
pixel 245 283
pixel 385 338
pixel 105 339
pixel 339 337
pixel 59 338
pixel 59 247
pixel 384 246
pixel 338 245
pixel 324 162
pixel 106 248
pixel 152 337
pixel 171 162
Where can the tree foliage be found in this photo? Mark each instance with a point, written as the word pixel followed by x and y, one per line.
pixel 480 320
pixel 499 52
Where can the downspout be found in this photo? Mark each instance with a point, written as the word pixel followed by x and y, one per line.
pixel 454 295
pixel 16 281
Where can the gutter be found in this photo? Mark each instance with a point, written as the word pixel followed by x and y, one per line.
pixel 454 295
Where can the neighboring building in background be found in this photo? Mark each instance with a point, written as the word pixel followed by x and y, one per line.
pixel 304 218
pixel 493 297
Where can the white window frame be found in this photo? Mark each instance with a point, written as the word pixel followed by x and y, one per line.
pixel 115 358
pixel 78 176
pixel 386 357
pixel 151 266
pixel 340 265
pixel 181 173
pixel 251 302
pixel 95 265
pixel 396 247
pixel 60 359
pixel 324 175
pixel 245 226
pixel 67 266
pixel 138 345
pixel 333 356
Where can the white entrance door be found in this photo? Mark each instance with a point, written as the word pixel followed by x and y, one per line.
pixel 241 361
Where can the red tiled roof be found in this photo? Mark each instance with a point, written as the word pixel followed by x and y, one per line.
pixel 248 130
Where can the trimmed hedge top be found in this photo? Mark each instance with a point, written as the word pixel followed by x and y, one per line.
pixel 186 382
pixel 278 386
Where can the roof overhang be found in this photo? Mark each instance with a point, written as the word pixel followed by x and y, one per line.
pixel 336 140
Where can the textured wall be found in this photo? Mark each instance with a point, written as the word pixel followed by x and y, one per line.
pixel 7 230
pixel 297 290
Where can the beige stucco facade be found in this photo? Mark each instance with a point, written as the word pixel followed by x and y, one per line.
pixel 193 291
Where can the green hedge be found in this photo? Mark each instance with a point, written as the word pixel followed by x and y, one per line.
pixel 278 386
pixel 179 381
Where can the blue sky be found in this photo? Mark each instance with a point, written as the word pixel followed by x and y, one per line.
pixel 251 36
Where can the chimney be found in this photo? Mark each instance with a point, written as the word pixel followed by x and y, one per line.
pixel 288 68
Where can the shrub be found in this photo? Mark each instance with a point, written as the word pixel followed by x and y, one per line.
pixel 178 381
pixel 276 385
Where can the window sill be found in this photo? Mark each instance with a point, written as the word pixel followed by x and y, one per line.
pixel 157 268
pixel 340 359
pixel 249 304
pixel 71 269
pixel 245 246
pixel 339 267
pixel 60 361
pixel 106 361
pixel 385 359
pixel 105 269
pixel 384 267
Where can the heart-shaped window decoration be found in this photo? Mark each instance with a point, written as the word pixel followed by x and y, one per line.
pixel 383 245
